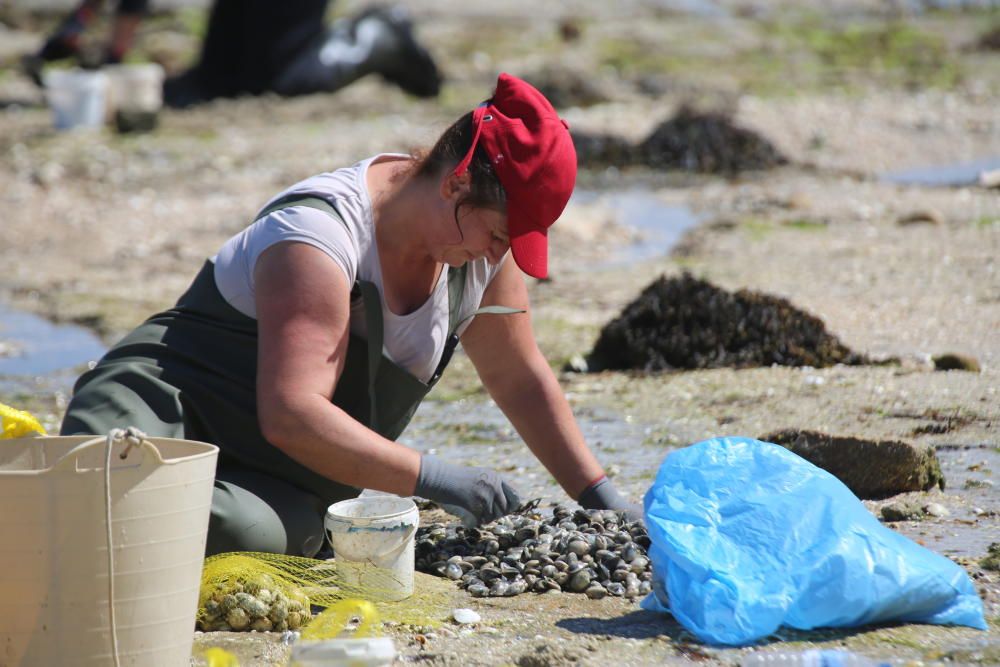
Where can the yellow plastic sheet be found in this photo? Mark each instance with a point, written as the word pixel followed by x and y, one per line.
pixel 337 619
pixel 219 657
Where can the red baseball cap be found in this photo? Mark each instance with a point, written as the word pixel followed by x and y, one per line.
pixel 533 156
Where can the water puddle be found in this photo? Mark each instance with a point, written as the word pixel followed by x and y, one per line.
pixel 702 8
pixel 37 354
pixel 657 225
pixel 953 175
pixel 969 492
pixel 927 6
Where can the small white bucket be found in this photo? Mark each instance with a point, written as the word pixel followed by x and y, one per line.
pixel 78 98
pixel 136 87
pixel 377 533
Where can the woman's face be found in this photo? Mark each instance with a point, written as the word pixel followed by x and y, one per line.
pixel 483 234
pixel 478 231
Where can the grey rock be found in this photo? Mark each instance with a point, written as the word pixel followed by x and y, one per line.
pixel 902 511
pixel 871 469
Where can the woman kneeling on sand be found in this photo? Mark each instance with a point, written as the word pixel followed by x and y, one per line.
pixel 304 346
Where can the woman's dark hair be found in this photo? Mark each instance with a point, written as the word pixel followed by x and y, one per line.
pixel 485 190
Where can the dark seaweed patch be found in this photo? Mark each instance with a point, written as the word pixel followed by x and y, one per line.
pixel 687 323
pixel 706 142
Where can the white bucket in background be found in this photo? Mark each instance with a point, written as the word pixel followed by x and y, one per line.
pixel 54 557
pixel 136 87
pixel 377 533
pixel 77 98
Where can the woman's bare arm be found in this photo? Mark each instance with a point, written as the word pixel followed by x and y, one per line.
pixel 517 376
pixel 303 310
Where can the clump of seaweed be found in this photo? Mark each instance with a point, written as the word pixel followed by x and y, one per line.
pixel 687 323
pixel 706 142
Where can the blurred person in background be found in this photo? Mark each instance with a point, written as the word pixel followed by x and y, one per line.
pixel 66 40
pixel 257 46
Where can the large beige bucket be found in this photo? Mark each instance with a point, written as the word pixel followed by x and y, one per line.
pixel 54 557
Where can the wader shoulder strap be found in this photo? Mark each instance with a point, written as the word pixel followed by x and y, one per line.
pixel 373 322
pixel 456 290
pixel 299 200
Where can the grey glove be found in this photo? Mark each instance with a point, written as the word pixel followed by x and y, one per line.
pixel 602 495
pixel 479 494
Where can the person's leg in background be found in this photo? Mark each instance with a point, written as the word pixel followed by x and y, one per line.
pixel 66 40
pixel 255 46
pixel 247 43
pixel 379 40
pixel 128 18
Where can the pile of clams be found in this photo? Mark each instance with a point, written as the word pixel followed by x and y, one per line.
pixel 596 552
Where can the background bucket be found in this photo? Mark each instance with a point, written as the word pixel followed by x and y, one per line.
pixel 78 98
pixel 53 549
pixel 136 87
pixel 373 538
pixel 135 95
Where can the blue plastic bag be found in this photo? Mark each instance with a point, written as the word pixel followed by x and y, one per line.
pixel 747 537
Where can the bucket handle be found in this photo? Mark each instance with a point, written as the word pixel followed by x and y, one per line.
pixel 69 459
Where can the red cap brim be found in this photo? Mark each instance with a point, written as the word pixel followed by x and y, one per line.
pixel 529 243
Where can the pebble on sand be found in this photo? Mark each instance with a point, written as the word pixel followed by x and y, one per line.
pixel 922 217
pixel 465 616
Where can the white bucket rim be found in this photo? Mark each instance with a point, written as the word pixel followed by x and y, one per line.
pixel 75 79
pixel 338 511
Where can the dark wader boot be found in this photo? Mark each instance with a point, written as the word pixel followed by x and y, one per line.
pixel 377 41
pixel 190 372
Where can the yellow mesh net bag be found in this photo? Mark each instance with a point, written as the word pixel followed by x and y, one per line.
pixel 247 591
pixel 18 423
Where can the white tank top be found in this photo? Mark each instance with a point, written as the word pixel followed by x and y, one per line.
pixel 414 341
